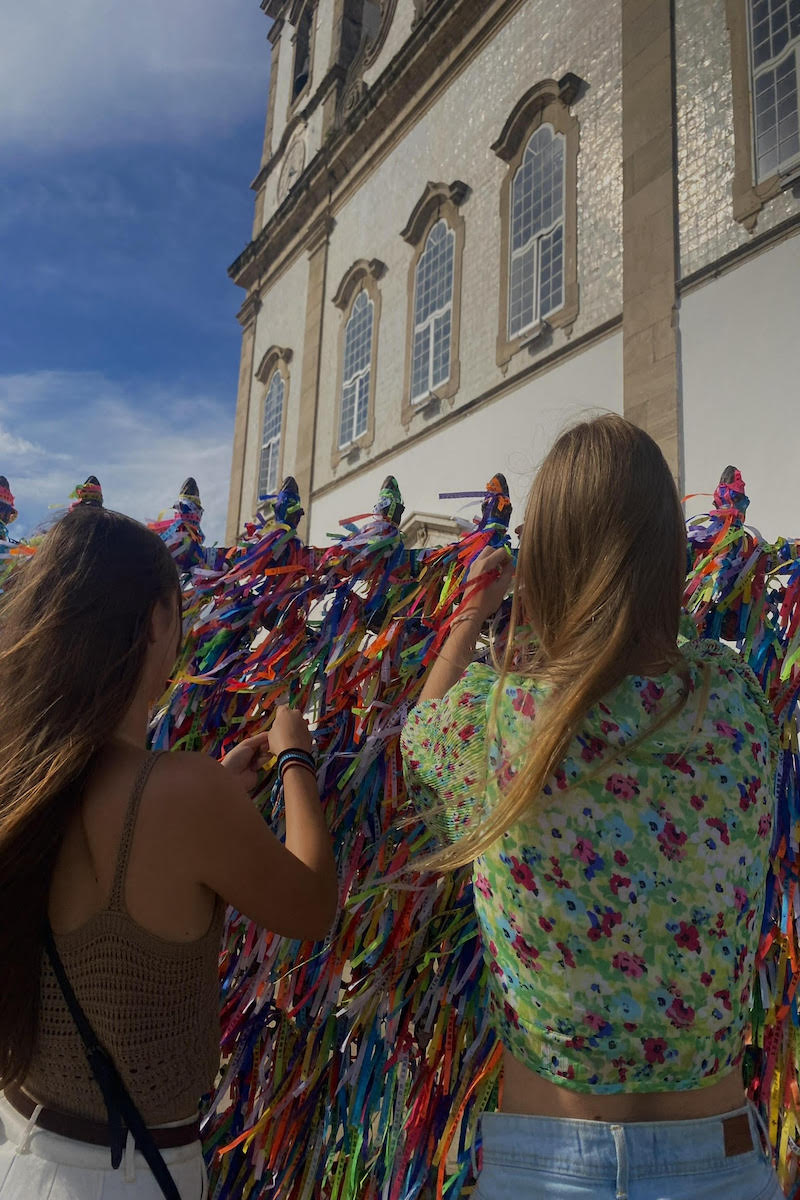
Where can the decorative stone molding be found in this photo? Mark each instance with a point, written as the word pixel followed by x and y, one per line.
pixel 363 276
pixel 360 271
pixel 275 356
pixel 546 103
pixel 320 232
pixel 354 89
pixel 249 310
pixel 522 121
pixel 439 201
pixel 433 200
pixel 421 529
pixel 749 197
pixel 373 46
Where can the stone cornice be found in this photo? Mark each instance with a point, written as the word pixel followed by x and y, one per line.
pixel 249 311
pixel 449 33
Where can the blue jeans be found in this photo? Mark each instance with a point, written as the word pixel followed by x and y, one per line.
pixel 550 1158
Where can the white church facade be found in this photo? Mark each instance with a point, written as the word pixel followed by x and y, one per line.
pixel 477 220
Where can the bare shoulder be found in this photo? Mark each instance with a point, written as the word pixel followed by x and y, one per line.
pixel 189 767
pixel 191 783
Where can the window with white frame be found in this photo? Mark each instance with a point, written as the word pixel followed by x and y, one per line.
pixel 536 276
pixel 356 372
pixel 433 312
pixel 775 65
pixel 271 437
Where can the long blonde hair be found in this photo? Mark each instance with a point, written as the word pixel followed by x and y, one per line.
pixel 599 581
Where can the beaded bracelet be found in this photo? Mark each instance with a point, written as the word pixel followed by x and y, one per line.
pixel 295 758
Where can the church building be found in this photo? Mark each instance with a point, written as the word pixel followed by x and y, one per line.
pixel 478 220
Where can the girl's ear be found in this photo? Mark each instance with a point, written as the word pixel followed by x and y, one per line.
pixel 162 621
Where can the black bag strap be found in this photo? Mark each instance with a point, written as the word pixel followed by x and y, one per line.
pixel 117 1099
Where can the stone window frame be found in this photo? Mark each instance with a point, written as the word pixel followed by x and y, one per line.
pixel 277 358
pixel 749 195
pixel 439 201
pixel 370 49
pixel 546 103
pixel 299 10
pixel 363 275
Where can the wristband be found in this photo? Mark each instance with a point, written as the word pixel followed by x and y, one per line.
pixel 295 758
pixel 296 762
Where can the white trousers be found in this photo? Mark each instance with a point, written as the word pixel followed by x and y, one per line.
pixel 36 1165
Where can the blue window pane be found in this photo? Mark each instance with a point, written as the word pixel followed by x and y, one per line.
pixel 420 363
pixel 348 409
pixel 551 295
pixel 362 407
pixel 441 350
pixel 521 297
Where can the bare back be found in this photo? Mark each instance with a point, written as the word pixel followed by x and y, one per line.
pixel 162 893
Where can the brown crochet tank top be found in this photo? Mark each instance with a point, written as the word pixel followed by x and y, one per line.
pixel 153 1004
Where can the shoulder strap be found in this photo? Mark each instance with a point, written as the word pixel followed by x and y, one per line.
pixel 116 900
pixel 117 1099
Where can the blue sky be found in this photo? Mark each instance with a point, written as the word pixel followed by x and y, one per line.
pixel 129 136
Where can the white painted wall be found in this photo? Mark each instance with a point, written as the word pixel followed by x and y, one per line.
pixel 740 346
pixel 453 140
pixel 511 434
pixel 280 322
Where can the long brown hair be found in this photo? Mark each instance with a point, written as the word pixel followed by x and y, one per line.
pixel 74 624
pixel 599 581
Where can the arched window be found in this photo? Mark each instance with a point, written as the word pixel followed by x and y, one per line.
pixel 302 52
pixel 435 231
pixel 354 413
pixel 358 298
pixel 775 54
pixel 765 79
pixel 538 216
pixel 536 277
pixel 433 312
pixel 271 428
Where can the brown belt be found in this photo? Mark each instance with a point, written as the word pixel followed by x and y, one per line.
pixel 81 1129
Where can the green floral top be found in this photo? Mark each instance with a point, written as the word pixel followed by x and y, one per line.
pixel 620 917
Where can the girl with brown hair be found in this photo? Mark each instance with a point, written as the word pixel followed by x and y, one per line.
pixel 613 792
pixel 129 858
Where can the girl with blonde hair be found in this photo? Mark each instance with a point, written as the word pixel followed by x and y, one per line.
pixel 613 792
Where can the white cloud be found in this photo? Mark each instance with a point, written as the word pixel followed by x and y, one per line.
pixel 13 448
pixel 140 439
pixel 92 73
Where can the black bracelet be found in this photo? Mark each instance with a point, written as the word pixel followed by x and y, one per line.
pixel 295 758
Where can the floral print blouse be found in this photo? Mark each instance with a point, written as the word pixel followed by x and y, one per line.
pixel 620 916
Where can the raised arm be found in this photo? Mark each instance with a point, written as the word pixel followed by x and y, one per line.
pixel 290 889
pixel 496 570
